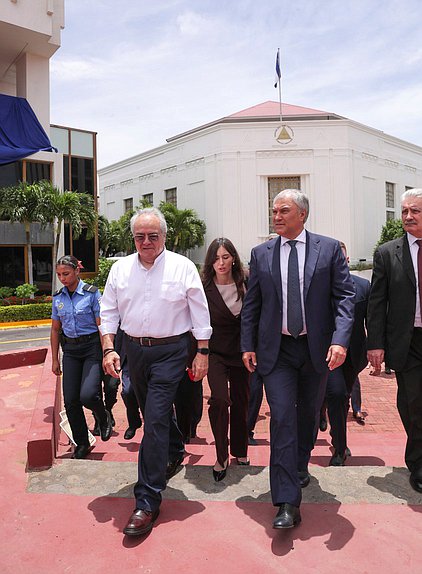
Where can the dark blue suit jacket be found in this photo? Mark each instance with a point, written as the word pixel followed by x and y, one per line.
pixel 329 301
pixel 357 348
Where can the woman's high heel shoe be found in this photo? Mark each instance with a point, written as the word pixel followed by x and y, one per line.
pixel 219 475
pixel 246 462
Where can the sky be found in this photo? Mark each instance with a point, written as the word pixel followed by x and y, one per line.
pixel 140 71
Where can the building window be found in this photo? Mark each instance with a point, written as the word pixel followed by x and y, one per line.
pixel 389 200
pixel 128 204
pixel 171 196
pixel 275 185
pixel 148 198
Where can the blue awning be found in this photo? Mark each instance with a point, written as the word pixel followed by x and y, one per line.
pixel 21 134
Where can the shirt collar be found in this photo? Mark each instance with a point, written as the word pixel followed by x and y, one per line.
pixel 411 238
pixel 301 238
pixel 156 262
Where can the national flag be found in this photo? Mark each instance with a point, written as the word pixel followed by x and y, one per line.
pixel 277 69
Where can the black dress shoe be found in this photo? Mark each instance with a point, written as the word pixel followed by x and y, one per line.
pixel 141 522
pixel 323 424
pixel 416 481
pixel 287 516
pixel 113 422
pixel 304 478
pixel 96 430
pixel 106 428
pixel 337 459
pixel 347 451
pixel 220 475
pixel 243 462
pixel 360 418
pixel 81 451
pixel 173 466
pixel 252 439
pixel 130 433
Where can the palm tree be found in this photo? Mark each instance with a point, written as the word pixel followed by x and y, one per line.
pixel 184 230
pixel 23 203
pixel 77 209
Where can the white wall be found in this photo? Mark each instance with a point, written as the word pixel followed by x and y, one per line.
pixel 222 172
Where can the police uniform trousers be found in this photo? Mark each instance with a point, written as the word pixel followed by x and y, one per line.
pixel 155 373
pixel 82 385
pixel 293 389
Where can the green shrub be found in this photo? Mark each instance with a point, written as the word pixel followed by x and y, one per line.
pixel 393 229
pixel 29 312
pixel 6 292
pixel 104 266
pixel 25 291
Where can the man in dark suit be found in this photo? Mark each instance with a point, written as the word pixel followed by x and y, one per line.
pixel 340 381
pixel 296 324
pixel 395 323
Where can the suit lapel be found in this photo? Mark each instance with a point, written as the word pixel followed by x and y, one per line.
pixel 403 255
pixel 273 255
pixel 311 259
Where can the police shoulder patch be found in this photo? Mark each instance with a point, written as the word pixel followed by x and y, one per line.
pixel 58 292
pixel 90 288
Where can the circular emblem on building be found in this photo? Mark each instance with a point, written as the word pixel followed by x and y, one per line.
pixel 284 134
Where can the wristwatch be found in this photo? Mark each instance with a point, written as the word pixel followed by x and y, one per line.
pixel 203 350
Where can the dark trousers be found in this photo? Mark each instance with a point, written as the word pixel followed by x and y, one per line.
pixel 155 373
pixel 293 389
pixel 409 401
pixel 129 399
pixel 356 396
pixel 189 406
pixel 82 386
pixel 256 394
pixel 110 388
pixel 229 387
pixel 339 386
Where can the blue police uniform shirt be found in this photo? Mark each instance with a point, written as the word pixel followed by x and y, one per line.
pixel 78 313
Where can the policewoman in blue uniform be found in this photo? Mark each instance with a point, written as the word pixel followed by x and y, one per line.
pixel 75 320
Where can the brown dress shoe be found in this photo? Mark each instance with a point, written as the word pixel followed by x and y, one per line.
pixel 141 522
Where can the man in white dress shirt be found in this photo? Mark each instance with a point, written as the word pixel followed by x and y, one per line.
pixel 157 297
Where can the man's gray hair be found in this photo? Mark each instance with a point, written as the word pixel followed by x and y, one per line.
pixel 150 211
pixel 415 192
pixel 300 199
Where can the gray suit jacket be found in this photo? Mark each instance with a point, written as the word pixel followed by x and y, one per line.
pixel 328 294
pixel 392 302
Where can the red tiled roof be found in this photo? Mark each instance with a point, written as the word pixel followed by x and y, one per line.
pixel 273 109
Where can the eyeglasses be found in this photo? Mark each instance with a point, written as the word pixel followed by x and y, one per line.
pixel 152 237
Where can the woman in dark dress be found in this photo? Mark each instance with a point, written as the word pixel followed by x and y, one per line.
pixel 224 285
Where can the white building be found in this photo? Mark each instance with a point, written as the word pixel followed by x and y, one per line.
pixel 229 171
pixel 30 32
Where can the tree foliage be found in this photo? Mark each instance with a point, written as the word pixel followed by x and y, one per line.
pixel 393 229
pixel 184 229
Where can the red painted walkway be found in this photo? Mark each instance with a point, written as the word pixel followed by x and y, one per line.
pixel 46 533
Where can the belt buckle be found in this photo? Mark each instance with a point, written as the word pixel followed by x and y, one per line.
pixel 146 341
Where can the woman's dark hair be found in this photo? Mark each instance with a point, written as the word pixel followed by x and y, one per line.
pixel 70 261
pixel 208 272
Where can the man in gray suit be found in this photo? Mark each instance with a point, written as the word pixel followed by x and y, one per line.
pixel 297 318
pixel 395 324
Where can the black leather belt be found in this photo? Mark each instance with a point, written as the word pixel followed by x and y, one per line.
pixel 152 341
pixel 81 339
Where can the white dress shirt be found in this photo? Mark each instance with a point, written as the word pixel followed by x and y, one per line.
pixel 414 248
pixel 284 263
pixel 167 299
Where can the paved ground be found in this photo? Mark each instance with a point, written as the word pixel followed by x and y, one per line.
pixel 361 518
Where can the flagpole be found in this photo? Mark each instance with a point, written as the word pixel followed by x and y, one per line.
pixel 278 79
pixel 279 95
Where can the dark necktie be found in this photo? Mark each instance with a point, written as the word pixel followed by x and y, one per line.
pixel 294 305
pixel 419 242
